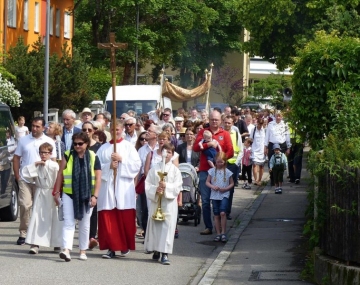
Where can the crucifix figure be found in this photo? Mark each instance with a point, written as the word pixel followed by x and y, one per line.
pixel 113 46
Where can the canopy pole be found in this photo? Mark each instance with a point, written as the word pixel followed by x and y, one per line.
pixel 207 94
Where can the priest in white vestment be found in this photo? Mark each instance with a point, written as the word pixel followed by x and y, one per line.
pixel 160 234
pixel 117 204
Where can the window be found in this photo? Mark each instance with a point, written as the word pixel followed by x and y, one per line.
pixel 26 15
pixel 67 25
pixel 11 20
pixel 36 17
pixel 57 25
pixel 51 20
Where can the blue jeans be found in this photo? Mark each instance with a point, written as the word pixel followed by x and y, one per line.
pixel 205 199
pixel 220 206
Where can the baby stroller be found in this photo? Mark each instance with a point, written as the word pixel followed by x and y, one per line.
pixel 190 209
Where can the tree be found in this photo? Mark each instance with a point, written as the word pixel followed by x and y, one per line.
pixel 229 84
pixel 270 89
pixel 187 34
pixel 279 27
pixel 68 87
pixel 326 88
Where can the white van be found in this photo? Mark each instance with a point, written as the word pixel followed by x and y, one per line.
pixel 139 98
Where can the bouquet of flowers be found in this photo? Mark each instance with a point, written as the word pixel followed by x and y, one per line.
pixel 8 94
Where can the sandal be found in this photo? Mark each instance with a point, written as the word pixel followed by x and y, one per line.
pixel 223 238
pixel 217 238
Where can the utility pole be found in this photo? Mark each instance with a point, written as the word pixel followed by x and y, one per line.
pixel 46 69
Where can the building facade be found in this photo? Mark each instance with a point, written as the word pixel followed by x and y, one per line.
pixel 27 19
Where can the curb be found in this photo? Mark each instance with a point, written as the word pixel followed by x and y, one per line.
pixel 235 234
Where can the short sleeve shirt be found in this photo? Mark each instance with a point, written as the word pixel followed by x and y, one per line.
pixel 217 179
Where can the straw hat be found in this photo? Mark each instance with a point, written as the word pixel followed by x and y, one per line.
pixel 183 131
pixel 87 110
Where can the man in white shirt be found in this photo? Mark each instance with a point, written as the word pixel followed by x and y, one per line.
pixel 277 132
pixel 27 151
pixel 68 117
pixel 130 134
pixel 194 116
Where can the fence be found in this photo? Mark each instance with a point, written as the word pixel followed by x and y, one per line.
pixel 340 232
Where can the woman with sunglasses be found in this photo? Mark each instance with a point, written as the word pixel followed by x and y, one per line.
pixel 80 174
pixel 88 129
pixel 141 141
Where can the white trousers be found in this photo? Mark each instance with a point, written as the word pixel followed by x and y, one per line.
pixel 69 225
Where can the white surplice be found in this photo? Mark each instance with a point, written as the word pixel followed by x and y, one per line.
pixel 44 229
pixel 124 196
pixel 160 234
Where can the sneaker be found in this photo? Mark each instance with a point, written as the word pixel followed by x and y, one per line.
pixel 110 254
pixel 276 190
pixel 65 255
pixel 247 187
pixel 176 233
pixel 93 243
pixel 57 249
pixel 244 185
pixel 297 181
pixel 165 260
pixel 280 191
pixel 124 253
pixel 228 217
pixel 34 249
pixel 20 241
pixel 83 256
pixel 156 255
pixel 206 232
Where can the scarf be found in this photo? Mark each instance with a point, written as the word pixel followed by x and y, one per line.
pixel 81 176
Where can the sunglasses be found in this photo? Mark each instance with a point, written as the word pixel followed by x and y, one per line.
pixel 166 115
pixel 89 130
pixel 128 125
pixel 143 139
pixel 78 143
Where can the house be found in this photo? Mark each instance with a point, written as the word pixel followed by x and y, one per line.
pixel 27 19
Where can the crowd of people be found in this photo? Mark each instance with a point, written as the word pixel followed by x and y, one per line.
pixel 78 172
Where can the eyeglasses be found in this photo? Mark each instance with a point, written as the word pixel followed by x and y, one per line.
pixel 128 125
pixel 143 139
pixel 78 143
pixel 166 115
pixel 150 131
pixel 87 130
pixel 45 152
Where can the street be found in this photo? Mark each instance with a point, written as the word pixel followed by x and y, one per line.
pixel 193 254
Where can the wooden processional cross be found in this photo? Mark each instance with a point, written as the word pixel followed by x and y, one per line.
pixel 113 46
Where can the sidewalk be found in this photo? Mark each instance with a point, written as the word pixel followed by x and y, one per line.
pixel 267 245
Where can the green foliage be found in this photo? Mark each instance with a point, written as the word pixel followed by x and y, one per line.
pixel 270 87
pixel 100 82
pixel 6 74
pixel 184 34
pixel 326 88
pixel 68 87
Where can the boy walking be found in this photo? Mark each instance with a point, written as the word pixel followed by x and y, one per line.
pixel 277 164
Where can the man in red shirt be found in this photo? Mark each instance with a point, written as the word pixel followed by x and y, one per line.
pixel 224 139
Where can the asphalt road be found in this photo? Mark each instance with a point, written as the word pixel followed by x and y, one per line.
pixel 193 254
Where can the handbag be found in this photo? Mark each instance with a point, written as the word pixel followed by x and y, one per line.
pixel 140 186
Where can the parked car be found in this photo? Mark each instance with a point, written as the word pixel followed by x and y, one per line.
pixel 8 186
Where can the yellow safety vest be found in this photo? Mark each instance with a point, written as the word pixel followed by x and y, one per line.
pixel 235 147
pixel 294 136
pixel 67 172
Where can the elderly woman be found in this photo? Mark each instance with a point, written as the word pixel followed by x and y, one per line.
pixel 169 128
pixel 80 174
pixel 54 131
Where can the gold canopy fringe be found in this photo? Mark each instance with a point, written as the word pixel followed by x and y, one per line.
pixel 179 94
